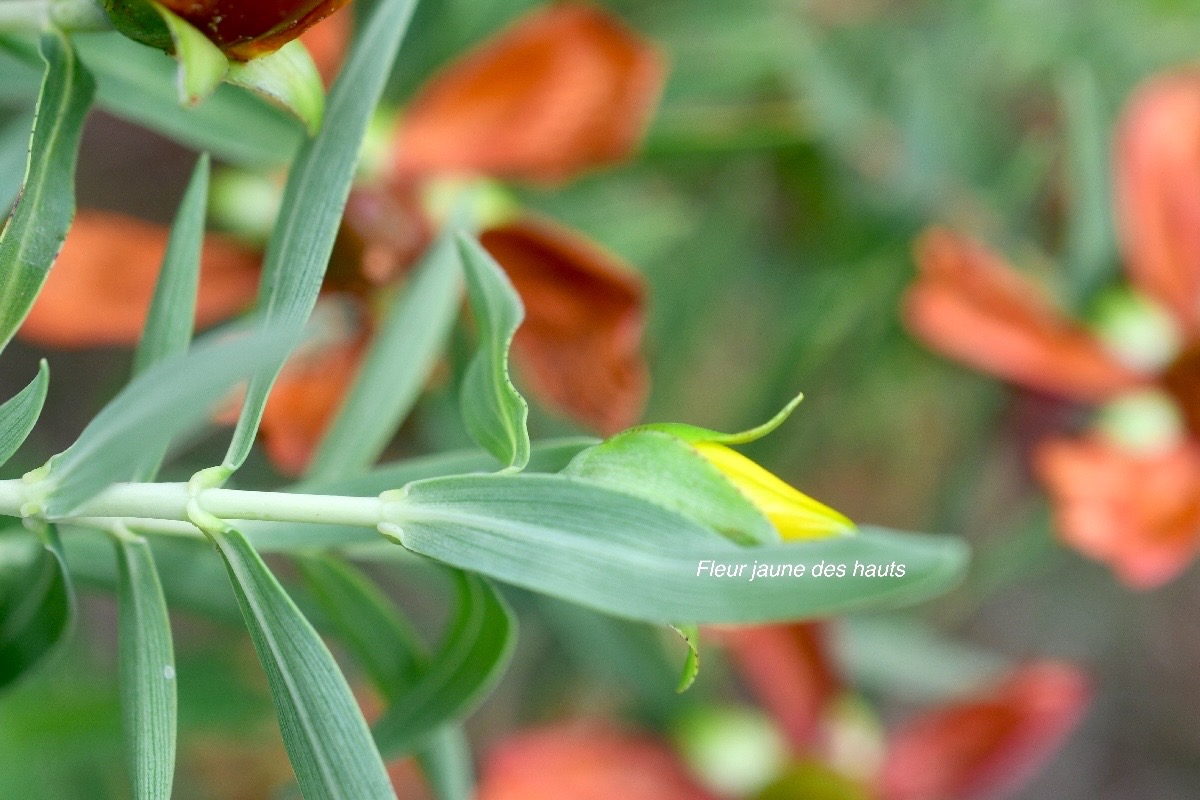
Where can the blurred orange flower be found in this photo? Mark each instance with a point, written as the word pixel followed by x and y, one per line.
pixel 565 89
pixel 978 746
pixel 585 761
pixel 970 305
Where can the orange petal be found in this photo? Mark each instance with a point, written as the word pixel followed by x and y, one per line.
pixel 1140 514
pixel 789 669
pixel 971 306
pixel 305 400
pixel 1157 185
pixel 579 348
pixel 100 288
pixel 591 761
pixel 565 89
pixel 384 231
pixel 985 746
pixel 328 42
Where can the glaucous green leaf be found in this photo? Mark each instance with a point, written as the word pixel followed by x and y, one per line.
pixel 19 414
pixel 495 413
pixel 631 558
pixel 148 687
pixel 326 737
pixel 168 400
pixel 694 433
pixel 472 656
pixel 168 329
pixel 397 367
pixel 35 233
pixel 315 197
pixel 289 78
pixel 37 603
pixel 668 471
pixel 14 155
pixel 548 456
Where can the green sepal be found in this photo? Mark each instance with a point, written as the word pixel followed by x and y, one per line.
pixel 659 466
pixel 694 433
pixel 140 20
pixel 289 78
pixel 202 65
pixel 691 665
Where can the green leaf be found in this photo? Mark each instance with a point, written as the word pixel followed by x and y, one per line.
pixel 287 77
pixel 14 155
pixel 495 413
pixel 166 401
pixel 691 665
pixel 37 604
pixel 549 456
pixel 391 653
pixel 327 740
pixel 20 414
pixel 35 233
pixel 668 471
pixel 315 197
pixel 168 329
pixel 202 65
pixel 148 687
pixel 396 368
pixel 473 654
pixel 631 558
pixel 140 20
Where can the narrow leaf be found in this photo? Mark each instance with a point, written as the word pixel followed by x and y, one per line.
pixel 202 65
pixel 315 197
pixel 14 155
pixel 38 227
pixel 289 78
pixel 631 558
pixel 148 693
pixel 326 737
pixel 691 665
pixel 20 414
pixel 473 655
pixel 495 413
pixel 37 604
pixel 168 330
pixel 397 367
pixel 166 401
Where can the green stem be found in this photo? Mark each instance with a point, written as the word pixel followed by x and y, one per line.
pixel 159 503
pixel 24 15
pixel 33 16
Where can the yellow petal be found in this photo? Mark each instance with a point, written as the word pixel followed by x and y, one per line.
pixel 794 514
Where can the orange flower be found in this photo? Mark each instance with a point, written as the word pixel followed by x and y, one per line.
pixel 585 762
pixel 971 306
pixel 100 289
pixel 579 348
pixel 566 89
pixel 328 42
pixel 984 746
pixel 1139 513
pixel 244 30
pixel 789 669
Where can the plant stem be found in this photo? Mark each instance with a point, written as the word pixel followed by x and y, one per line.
pixel 168 502
pixel 24 15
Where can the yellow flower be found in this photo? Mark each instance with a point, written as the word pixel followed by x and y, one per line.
pixel 794 514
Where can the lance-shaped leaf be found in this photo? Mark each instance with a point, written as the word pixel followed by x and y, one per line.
pixel 287 77
pixel 393 656
pixel 628 557
pixel 20 414
pixel 35 233
pixel 168 329
pixel 495 413
pixel 397 366
pixel 14 155
pixel 326 737
pixel 148 693
pixel 37 603
pixel 471 658
pixel 167 401
pixel 314 199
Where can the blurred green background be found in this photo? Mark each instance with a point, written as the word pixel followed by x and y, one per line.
pixel 799 149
